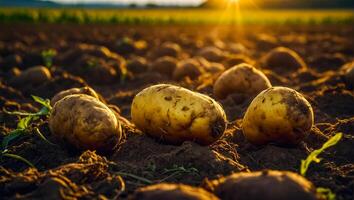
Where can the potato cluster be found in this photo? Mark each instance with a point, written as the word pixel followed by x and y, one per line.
pixel 175 114
pixel 277 115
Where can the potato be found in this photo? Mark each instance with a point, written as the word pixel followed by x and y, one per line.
pixel 267 185
pixel 278 115
pixel 168 191
pixel 35 75
pixel 137 65
pixel 84 90
pixel 85 122
pixel 175 114
pixel 164 65
pixel 214 67
pixel 188 67
pixel 168 49
pixel 282 59
pixel 237 48
pixel 242 78
pixel 211 53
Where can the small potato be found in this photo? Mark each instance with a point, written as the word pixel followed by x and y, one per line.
pixel 236 59
pixel 168 49
pixel 84 90
pixel 267 185
pixel 85 122
pixel 188 67
pixel 282 59
pixel 175 114
pixel 35 75
pixel 237 48
pixel 164 65
pixel 137 65
pixel 242 78
pixel 164 191
pixel 214 67
pixel 211 53
pixel 277 115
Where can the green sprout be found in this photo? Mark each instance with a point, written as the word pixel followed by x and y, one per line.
pixel 312 157
pixel 24 127
pixel 47 56
pixel 325 193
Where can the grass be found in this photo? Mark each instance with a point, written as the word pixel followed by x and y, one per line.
pixel 175 16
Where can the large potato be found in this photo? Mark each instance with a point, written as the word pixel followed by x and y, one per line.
pixel 175 114
pixel 282 59
pixel 85 122
pixel 267 185
pixel 242 78
pixel 278 114
pixel 84 90
pixel 164 191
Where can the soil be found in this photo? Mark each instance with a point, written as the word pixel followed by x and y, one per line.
pixel 140 160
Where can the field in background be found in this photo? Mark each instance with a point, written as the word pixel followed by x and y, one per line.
pixel 176 16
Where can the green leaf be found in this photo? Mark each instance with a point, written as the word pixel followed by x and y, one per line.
pixel 24 122
pixel 20 158
pixel 43 102
pixel 312 157
pixel 11 136
pixel 326 193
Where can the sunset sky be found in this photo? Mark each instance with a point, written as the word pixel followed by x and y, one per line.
pixel 162 2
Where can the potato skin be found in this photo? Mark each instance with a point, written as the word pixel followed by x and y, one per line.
pixel 84 90
pixel 175 114
pixel 282 59
pixel 267 185
pixel 34 75
pixel 170 191
pixel 242 78
pixel 85 122
pixel 278 115
pixel 187 68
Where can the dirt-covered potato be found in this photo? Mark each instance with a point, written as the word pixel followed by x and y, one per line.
pixel 236 59
pixel 137 65
pixel 188 67
pixel 85 122
pixel 211 53
pixel 175 114
pixel 84 90
pixel 35 75
pixel 277 115
pixel 168 49
pixel 282 59
pixel 242 78
pixel 237 48
pixel 267 185
pixel 164 65
pixel 214 67
pixel 168 191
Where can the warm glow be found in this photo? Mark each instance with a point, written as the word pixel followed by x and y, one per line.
pixel 234 1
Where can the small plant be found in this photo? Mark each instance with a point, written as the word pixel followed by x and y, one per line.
pixel 47 56
pixel 24 127
pixel 325 193
pixel 312 157
pixel 176 171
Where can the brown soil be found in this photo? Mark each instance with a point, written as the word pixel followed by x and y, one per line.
pixel 140 160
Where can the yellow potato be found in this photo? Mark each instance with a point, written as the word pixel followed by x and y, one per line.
pixel 265 185
pixel 187 68
pixel 175 114
pixel 34 75
pixel 84 90
pixel 277 115
pixel 242 78
pixel 85 122
pixel 282 59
